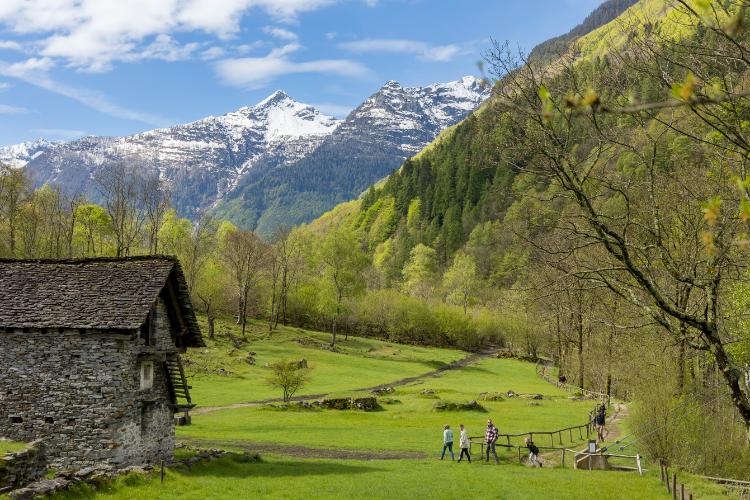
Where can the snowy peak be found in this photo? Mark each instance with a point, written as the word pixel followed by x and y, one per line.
pixel 423 110
pixel 19 155
pixel 275 117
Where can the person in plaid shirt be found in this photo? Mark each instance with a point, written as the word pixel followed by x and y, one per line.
pixel 490 437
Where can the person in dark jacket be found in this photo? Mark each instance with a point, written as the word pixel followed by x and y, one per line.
pixel 600 421
pixel 533 453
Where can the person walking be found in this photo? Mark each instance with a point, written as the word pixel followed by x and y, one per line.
pixel 447 442
pixel 463 442
pixel 533 452
pixel 490 437
pixel 600 421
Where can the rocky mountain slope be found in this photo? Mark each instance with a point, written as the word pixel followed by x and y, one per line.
pixel 202 161
pixel 391 125
pixel 241 162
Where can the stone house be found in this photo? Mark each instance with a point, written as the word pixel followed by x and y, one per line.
pixel 89 357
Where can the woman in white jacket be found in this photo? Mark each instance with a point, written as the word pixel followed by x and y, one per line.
pixel 463 442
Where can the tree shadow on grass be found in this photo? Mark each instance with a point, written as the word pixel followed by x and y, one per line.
pixel 236 468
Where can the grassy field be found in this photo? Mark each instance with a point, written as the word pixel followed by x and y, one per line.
pixel 318 453
pixel 221 375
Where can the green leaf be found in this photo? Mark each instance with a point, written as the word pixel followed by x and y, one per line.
pixel 544 94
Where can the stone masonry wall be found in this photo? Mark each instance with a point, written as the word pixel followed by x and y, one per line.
pixel 22 467
pixel 80 392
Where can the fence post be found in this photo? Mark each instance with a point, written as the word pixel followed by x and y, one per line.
pixel 570 431
pixel 563 458
pixel 661 470
pixel 638 462
pixel 682 491
pixel 519 455
pixel 674 486
pixel 552 437
pixel 669 486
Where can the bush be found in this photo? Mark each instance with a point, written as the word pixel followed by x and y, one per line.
pixel 289 376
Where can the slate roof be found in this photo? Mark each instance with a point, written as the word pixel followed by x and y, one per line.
pixel 96 293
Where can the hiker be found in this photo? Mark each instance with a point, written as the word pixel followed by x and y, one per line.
pixel 490 437
pixel 562 379
pixel 599 420
pixel 533 452
pixel 463 442
pixel 447 441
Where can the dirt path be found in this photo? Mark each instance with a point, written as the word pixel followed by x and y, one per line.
pixel 304 451
pixel 455 365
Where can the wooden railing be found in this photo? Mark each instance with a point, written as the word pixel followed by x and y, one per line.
pixel 541 371
pixel 588 427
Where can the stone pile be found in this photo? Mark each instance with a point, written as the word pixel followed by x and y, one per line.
pixel 22 467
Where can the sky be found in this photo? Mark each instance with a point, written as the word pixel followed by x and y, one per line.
pixel 70 68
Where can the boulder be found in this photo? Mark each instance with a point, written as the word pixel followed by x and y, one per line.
pixel 383 390
pixel 491 396
pixel 451 406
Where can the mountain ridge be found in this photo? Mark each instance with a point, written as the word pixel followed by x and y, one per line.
pixel 206 160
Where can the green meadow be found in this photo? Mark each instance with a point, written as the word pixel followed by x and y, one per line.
pixel 293 452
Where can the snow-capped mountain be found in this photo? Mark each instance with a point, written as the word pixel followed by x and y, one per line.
pixel 19 155
pixel 249 161
pixel 391 125
pixel 202 160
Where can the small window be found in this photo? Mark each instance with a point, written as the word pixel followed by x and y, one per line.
pixel 16 420
pixel 147 375
pixel 49 420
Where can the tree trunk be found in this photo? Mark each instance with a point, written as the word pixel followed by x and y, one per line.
pixel 681 362
pixel 580 349
pixel 210 318
pixel 610 342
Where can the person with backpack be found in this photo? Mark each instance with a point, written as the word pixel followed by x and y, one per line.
pixel 490 437
pixel 447 442
pixel 600 422
pixel 464 443
pixel 533 453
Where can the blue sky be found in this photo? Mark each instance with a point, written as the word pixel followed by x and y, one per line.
pixel 112 67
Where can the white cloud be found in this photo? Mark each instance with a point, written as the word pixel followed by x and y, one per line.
pixel 35 71
pixel 256 72
pixel 212 53
pixel 332 109
pixel 402 46
pixel 61 134
pixel 331 35
pixel 6 109
pixel 93 34
pixel 5 86
pixel 246 48
pixel 10 45
pixel 280 33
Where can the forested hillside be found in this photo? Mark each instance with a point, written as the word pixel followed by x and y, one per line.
pixel 601 201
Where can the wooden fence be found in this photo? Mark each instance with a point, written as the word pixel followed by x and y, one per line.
pixel 541 371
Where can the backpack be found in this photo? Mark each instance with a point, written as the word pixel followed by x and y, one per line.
pixel 533 449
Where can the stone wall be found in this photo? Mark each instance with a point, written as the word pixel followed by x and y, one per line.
pixel 22 467
pixel 80 391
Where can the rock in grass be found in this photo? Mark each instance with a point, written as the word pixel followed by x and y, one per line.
pixel 363 403
pixel 427 393
pixel 383 390
pixel 451 406
pixel 491 396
